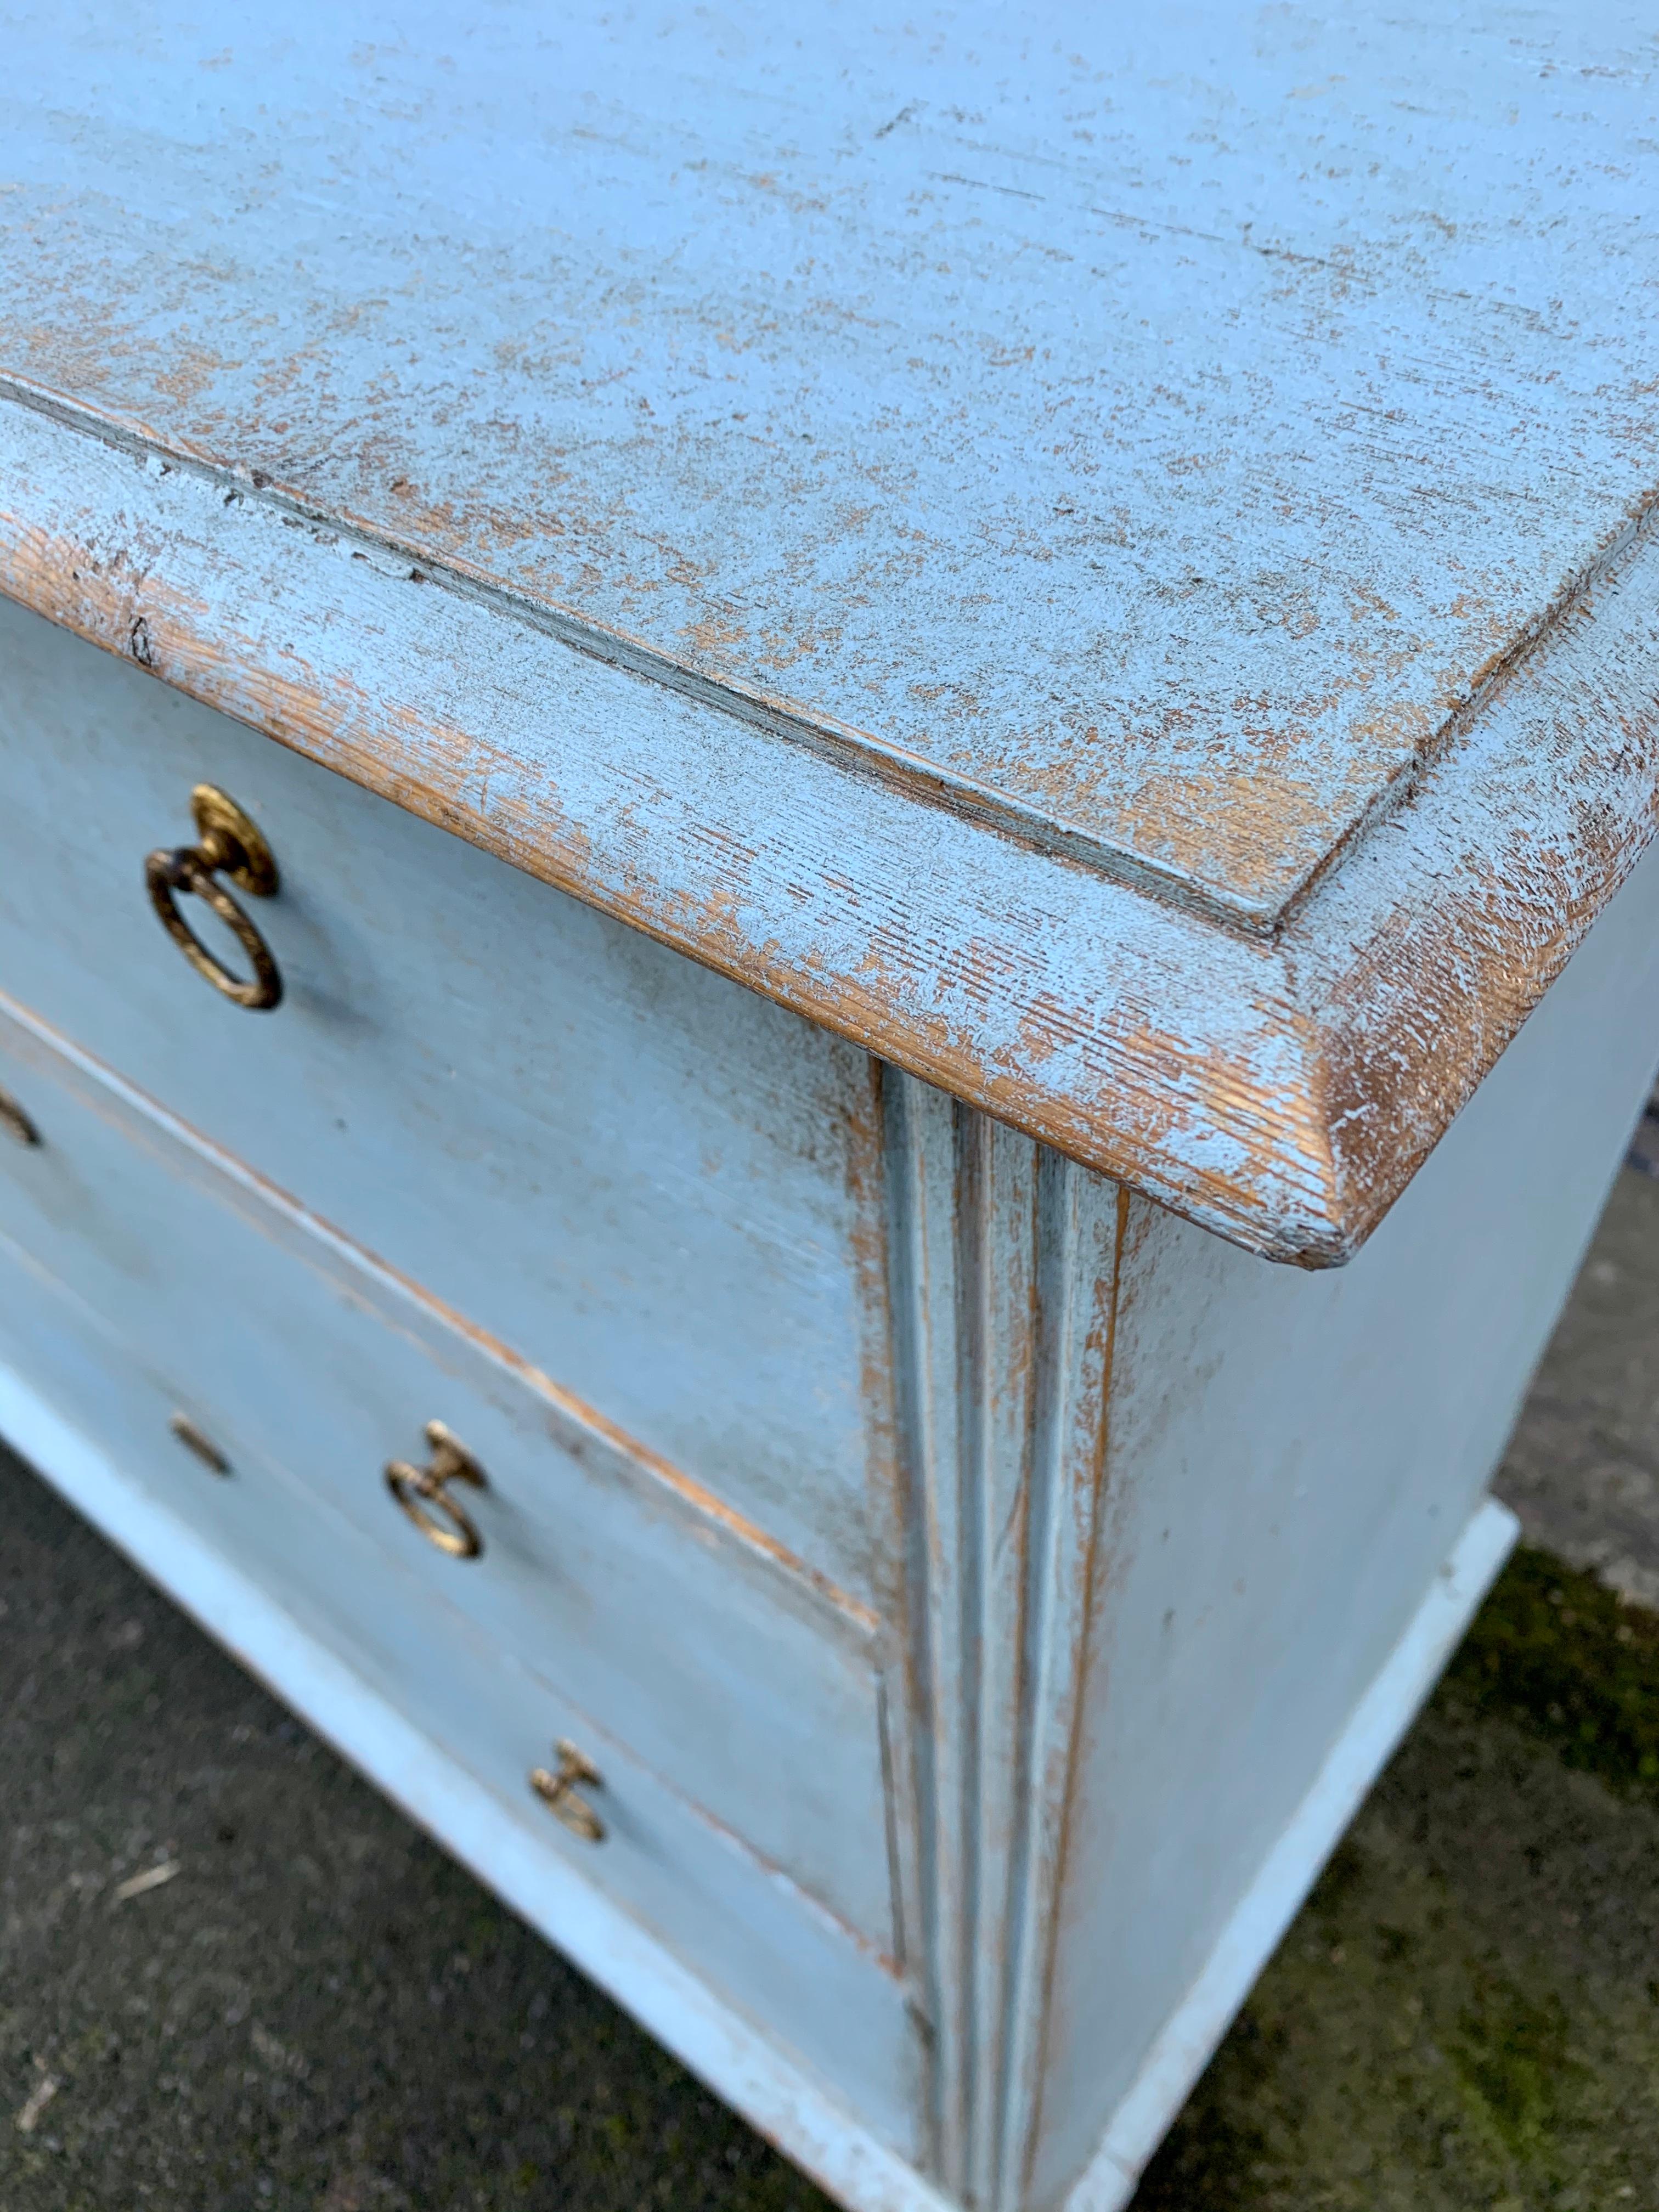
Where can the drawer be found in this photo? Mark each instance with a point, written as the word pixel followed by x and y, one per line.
pixel 747 1683
pixel 659 1187
pixel 749 1934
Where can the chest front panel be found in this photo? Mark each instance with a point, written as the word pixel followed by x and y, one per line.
pixel 659 1189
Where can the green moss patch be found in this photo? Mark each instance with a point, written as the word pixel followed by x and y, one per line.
pixel 1465 2016
pixel 1554 1651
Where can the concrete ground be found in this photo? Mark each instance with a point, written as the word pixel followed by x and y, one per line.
pixel 231 1976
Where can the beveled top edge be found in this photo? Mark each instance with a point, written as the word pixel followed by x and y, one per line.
pixel 1148 435
pixel 919 777
pixel 1278 1092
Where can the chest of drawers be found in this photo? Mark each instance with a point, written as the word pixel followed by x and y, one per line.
pixel 822 929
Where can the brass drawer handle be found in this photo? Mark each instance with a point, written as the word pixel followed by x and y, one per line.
pixel 228 844
pixel 424 1493
pixel 559 1793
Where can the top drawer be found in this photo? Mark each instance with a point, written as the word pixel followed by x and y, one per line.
pixel 660 1188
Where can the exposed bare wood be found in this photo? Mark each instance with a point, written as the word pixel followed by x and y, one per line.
pixel 1152 428
pixel 1278 1091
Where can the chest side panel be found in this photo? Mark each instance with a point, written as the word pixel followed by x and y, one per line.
pixel 1290 1459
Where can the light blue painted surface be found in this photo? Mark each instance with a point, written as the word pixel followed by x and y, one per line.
pixel 652 1185
pixel 1368 1740
pixel 1154 417
pixel 725 1675
pixel 950 525
pixel 450 1728
pixel 1289 1458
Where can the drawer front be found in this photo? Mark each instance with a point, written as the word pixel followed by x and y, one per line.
pixel 659 1187
pixel 749 1686
pixel 749 1935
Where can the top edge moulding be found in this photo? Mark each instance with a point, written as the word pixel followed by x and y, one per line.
pixel 1188 464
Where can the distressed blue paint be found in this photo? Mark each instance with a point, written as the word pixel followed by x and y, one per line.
pixel 718 1665
pixel 1102 562
pixel 1158 418
pixel 645 1182
pixel 674 1914
pixel 1281 1092
pixel 1284 1430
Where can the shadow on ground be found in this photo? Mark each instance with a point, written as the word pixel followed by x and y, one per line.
pixel 318 2010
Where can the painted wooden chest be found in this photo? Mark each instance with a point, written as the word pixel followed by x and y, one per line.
pixel 822 931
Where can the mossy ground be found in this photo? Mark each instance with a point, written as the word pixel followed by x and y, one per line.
pixel 322 2012
pixel 1556 1653
pixel 1466 2014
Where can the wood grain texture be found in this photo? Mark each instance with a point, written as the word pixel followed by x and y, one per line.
pixel 1004 1276
pixel 1280 1091
pixel 1150 428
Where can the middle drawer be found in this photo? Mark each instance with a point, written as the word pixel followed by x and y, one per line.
pixel 750 1683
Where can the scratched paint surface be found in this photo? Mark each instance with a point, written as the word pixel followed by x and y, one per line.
pixel 1157 420
pixel 1281 1092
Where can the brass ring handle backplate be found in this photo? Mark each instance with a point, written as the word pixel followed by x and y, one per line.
pixel 424 1493
pixel 228 844
pixel 560 1793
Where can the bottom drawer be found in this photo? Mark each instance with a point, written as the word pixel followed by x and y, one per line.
pixel 752 1936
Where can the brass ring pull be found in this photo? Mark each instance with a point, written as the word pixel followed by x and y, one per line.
pixel 558 1792
pixel 424 1493
pixel 228 844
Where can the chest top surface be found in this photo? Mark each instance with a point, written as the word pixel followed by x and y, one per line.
pixel 1158 444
